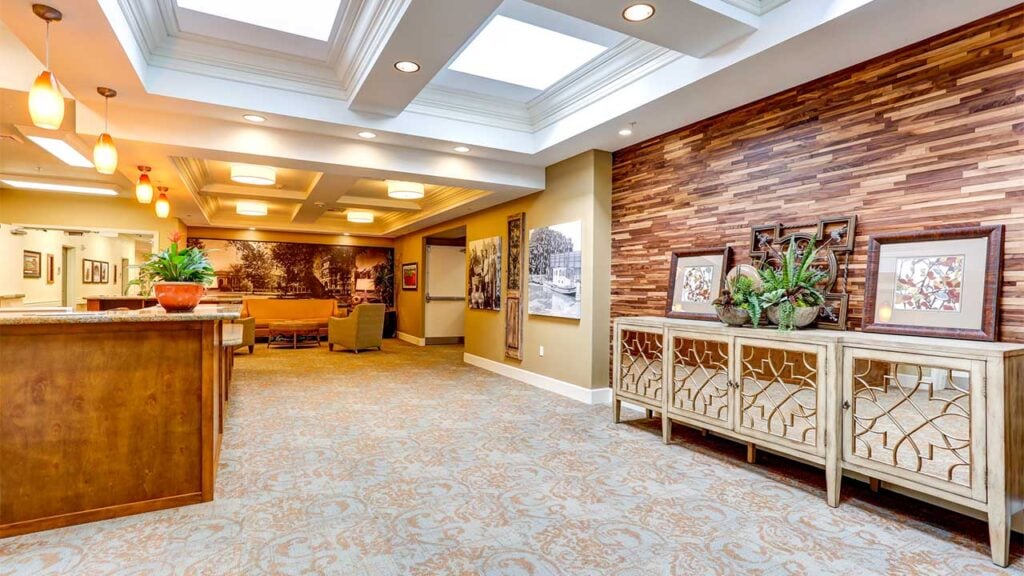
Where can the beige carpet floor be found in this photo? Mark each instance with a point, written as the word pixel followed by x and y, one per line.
pixel 409 462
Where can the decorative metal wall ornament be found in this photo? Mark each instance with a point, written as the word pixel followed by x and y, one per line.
pixel 839 234
pixel 514 287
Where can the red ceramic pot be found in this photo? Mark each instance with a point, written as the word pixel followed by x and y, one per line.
pixel 179 296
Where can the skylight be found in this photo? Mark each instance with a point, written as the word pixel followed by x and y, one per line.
pixel 523 54
pixel 314 20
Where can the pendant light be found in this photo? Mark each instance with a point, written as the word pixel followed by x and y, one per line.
pixel 144 188
pixel 104 154
pixel 163 206
pixel 45 101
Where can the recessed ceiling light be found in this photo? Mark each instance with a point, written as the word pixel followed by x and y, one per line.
pixel 638 12
pixel 54 187
pixel 625 132
pixel 407 66
pixel 518 53
pixel 247 208
pixel 461 149
pixel 252 174
pixel 254 118
pixel 62 150
pixel 400 190
pixel 360 217
pixel 367 134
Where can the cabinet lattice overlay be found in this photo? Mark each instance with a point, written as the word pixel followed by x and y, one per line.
pixel 913 417
pixel 779 393
pixel 640 364
pixel 700 377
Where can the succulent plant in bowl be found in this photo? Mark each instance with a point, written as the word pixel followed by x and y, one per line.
pixel 740 302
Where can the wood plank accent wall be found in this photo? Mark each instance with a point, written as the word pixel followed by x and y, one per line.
pixel 929 135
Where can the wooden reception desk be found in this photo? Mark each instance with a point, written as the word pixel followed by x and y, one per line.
pixel 108 414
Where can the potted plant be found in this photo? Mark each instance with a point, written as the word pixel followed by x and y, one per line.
pixel 790 289
pixel 740 304
pixel 179 276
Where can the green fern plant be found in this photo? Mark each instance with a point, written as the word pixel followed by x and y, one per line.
pixel 174 265
pixel 743 294
pixel 793 283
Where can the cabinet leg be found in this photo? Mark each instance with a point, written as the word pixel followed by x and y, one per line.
pixel 751 453
pixel 650 413
pixel 666 429
pixel 875 484
pixel 833 480
pixel 999 525
pixel 616 410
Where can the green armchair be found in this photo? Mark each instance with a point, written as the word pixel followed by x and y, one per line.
pixel 364 328
pixel 248 333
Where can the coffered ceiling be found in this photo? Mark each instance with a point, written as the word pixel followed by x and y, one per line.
pixel 323 71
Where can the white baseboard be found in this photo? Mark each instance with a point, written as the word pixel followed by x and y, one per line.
pixel 411 339
pixel 578 393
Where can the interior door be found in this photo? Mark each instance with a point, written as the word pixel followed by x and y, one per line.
pixel 445 309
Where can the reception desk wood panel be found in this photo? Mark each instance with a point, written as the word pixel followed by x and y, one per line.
pixel 99 420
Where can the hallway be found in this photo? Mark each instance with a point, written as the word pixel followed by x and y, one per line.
pixel 408 461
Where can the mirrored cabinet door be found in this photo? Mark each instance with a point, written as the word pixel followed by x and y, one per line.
pixel 639 366
pixel 699 384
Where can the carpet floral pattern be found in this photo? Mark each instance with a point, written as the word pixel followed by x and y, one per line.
pixel 409 462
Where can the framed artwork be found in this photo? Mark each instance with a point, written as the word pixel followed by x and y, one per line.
pixel 86 271
pixel 485 274
pixel 115 273
pixel 49 268
pixel 104 269
pixel 696 279
pixel 514 287
pixel 941 283
pixel 97 271
pixel 411 276
pixel 33 265
pixel 556 267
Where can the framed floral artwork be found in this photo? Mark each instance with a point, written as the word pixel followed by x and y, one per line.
pixel 695 280
pixel 410 276
pixel 942 283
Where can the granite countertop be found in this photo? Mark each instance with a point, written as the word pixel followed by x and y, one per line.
pixel 106 297
pixel 154 314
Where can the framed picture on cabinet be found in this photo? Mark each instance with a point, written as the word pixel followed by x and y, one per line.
pixel 410 276
pixel 32 267
pixel 696 278
pixel 942 283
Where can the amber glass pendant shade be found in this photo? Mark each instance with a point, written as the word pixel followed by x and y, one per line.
pixel 45 102
pixel 104 155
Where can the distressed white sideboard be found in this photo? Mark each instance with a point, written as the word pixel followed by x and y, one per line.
pixel 936 418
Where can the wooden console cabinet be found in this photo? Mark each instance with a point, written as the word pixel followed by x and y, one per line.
pixel 942 419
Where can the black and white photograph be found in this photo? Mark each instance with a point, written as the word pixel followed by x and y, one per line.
pixel 555 270
pixel 485 274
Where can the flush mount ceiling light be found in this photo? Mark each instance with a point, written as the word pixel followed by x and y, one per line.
pixel 461 149
pixel 627 131
pixel 248 208
pixel 400 190
pixel 314 20
pixel 360 217
pixel 518 53
pixel 45 101
pixel 254 118
pixel 144 188
pixel 55 187
pixel 407 66
pixel 638 12
pixel 104 154
pixel 253 174
pixel 163 205
pixel 62 150
pixel 367 134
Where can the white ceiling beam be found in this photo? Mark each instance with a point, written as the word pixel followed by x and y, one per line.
pixel 379 203
pixel 324 190
pixel 429 33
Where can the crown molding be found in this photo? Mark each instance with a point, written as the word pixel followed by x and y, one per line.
pixel 365 36
pixel 194 175
pixel 444 199
pixel 756 7
pixel 472 107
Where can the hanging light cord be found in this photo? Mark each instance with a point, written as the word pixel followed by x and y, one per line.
pixel 47 45
pixel 106 113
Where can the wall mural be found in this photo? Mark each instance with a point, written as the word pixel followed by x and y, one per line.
pixel 485 274
pixel 555 270
pixel 349 274
pixel 514 285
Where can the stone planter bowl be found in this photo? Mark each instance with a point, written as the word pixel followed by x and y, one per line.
pixel 732 315
pixel 803 317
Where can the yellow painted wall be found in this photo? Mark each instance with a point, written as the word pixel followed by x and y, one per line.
pixel 576 351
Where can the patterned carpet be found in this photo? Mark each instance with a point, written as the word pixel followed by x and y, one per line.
pixel 409 462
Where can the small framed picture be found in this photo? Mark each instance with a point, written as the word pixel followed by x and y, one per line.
pixel 104 271
pixel 410 276
pixel 115 273
pixel 86 271
pixel 695 280
pixel 97 271
pixel 33 265
pixel 942 283
pixel 49 268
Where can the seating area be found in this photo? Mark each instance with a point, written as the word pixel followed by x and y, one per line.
pixel 511 287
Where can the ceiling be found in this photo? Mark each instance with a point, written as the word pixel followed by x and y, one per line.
pixel 187 70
